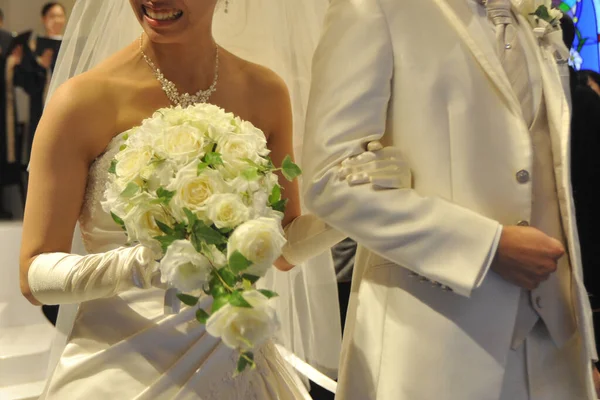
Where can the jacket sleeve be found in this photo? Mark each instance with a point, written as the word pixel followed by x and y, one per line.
pixel 353 69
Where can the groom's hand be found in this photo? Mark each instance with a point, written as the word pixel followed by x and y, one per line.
pixel 526 256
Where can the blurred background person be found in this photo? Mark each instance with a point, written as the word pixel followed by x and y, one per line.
pixel 34 72
pixel 5 36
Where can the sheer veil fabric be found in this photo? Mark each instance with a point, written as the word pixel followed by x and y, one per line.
pixel 281 35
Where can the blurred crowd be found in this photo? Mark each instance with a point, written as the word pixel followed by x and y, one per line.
pixel 27 60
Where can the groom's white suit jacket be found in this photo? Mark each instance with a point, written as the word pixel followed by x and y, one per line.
pixel 422 77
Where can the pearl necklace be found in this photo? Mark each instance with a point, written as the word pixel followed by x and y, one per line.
pixel 186 99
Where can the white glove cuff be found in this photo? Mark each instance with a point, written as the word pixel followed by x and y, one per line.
pixel 307 237
pixel 60 278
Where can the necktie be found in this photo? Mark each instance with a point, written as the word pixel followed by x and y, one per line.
pixel 511 54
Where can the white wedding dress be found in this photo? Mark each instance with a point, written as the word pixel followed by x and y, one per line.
pixel 125 347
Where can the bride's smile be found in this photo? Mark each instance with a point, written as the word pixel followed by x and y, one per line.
pixel 159 16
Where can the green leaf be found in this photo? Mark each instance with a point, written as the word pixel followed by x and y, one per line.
pixel 190 216
pixel 270 164
pixel 246 360
pixel 251 278
pixel 116 218
pixel 237 300
pixel 225 231
pixel 165 196
pixel 165 241
pixel 253 164
pixel 268 294
pixel 229 277
pixel 280 205
pixel 166 229
pixel 130 190
pixel 290 170
pixel 250 174
pixel 179 229
pixel 202 316
pixel 201 167
pixel 113 167
pixel 213 159
pixel 207 234
pixel 246 284
pixel 187 299
pixel 238 263
pixel 542 12
pixel 218 303
pixel 275 195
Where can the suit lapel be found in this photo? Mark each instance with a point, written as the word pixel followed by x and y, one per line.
pixel 460 16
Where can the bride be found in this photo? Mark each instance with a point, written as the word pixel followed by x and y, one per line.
pixel 122 344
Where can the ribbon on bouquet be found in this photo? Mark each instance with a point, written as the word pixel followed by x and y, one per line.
pixel 307 370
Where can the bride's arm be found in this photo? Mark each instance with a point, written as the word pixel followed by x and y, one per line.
pixel 75 128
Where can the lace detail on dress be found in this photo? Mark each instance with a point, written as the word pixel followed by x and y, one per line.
pixel 92 213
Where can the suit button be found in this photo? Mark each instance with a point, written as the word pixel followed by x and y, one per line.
pixel 523 176
pixel 538 302
pixel 523 223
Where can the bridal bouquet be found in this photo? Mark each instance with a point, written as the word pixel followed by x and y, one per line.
pixel 197 186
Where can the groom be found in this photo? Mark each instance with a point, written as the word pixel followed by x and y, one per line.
pixel 469 285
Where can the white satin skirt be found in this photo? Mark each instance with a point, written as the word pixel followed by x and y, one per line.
pixel 126 348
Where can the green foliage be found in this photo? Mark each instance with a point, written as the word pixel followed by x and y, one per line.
pixel 238 263
pixel 290 170
pixel 187 299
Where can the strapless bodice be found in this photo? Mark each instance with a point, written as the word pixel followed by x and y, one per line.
pixel 99 232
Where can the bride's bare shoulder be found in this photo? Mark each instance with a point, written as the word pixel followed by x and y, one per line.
pixel 85 109
pixel 267 92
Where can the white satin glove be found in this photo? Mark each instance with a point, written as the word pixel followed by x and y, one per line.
pixel 308 236
pixel 380 166
pixel 60 278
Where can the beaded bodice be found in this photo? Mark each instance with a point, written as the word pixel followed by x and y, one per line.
pixel 99 232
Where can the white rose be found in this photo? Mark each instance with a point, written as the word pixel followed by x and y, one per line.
pixel 181 142
pixel 243 186
pixel 140 220
pixel 132 162
pixel 555 13
pixel 260 241
pixel 227 210
pixel 216 256
pixel 193 191
pixel 244 328
pixel 236 148
pixel 161 174
pixel 184 268
pixel 261 207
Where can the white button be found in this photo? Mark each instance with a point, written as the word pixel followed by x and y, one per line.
pixel 523 223
pixel 538 302
pixel 508 46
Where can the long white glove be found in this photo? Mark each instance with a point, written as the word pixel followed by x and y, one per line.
pixel 60 278
pixel 308 236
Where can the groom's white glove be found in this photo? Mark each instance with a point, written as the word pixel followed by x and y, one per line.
pixel 60 278
pixel 308 236
pixel 380 166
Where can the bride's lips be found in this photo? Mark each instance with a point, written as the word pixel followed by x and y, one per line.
pixel 159 17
